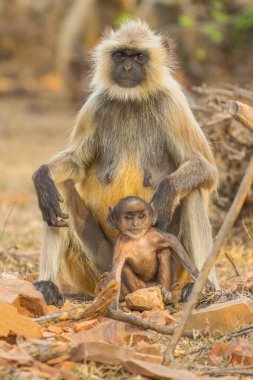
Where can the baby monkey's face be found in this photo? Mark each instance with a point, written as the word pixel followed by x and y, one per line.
pixel 134 220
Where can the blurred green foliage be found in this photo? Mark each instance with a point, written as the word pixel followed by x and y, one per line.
pixel 245 20
pixel 220 25
pixel 123 17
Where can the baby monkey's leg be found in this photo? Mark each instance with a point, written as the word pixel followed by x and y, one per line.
pixel 131 280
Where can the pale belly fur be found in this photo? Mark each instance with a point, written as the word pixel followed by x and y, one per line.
pixel 98 197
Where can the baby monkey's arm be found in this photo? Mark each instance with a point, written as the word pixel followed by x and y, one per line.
pixel 170 241
pixel 119 259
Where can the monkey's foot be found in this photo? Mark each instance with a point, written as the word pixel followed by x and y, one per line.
pixel 50 292
pixel 166 295
pixel 186 291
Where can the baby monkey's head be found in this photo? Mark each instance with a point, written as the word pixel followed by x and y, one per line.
pixel 132 216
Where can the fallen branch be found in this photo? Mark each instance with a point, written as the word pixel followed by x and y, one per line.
pixel 97 308
pixel 145 324
pixel 219 241
pixel 245 371
pixel 230 92
pixel 242 113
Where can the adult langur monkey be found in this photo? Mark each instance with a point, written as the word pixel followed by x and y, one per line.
pixel 135 135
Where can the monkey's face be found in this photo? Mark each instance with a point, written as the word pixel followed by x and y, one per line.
pixel 131 63
pixel 129 67
pixel 134 220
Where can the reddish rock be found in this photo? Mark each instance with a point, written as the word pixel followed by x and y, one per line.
pixel 86 325
pixel 156 315
pixel 240 353
pixel 28 255
pixel 23 296
pixel 145 299
pixel 114 332
pixel 238 284
pixel 12 323
pixel 223 317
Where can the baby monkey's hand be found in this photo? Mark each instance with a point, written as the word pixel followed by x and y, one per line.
pixel 166 295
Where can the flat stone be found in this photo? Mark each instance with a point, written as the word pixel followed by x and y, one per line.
pixel 12 323
pixel 23 296
pixel 223 317
pixel 145 299
pixel 163 317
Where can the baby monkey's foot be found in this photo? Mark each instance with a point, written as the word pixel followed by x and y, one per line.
pixel 50 292
pixel 166 295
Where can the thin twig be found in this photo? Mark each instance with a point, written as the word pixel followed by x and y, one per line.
pixel 247 231
pixel 232 263
pixel 209 263
pixel 7 220
pixel 246 371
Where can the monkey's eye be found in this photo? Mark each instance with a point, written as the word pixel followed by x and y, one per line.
pixel 142 215
pixel 128 217
pixel 118 56
pixel 141 58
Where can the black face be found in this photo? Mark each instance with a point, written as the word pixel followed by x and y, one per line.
pixel 129 67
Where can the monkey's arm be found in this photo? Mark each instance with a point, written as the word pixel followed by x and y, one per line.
pixel 170 241
pixel 191 175
pixel 192 155
pixel 119 260
pixel 67 165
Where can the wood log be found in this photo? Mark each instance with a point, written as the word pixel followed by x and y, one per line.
pixel 242 113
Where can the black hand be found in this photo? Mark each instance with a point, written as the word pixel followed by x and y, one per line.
pixel 49 198
pixel 162 201
pixel 50 292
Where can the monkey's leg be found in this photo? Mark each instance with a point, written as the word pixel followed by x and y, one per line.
pixel 164 274
pixel 131 280
pixel 81 248
pixel 195 229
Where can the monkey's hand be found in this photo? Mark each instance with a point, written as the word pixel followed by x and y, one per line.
pixel 49 198
pixel 164 201
pixel 166 295
pixel 50 292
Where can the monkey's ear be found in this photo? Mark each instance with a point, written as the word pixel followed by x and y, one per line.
pixel 166 42
pixel 154 217
pixel 111 220
pixel 170 45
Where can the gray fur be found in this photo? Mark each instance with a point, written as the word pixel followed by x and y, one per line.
pixel 145 137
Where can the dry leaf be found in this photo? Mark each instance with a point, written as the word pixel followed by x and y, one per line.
pixel 14 354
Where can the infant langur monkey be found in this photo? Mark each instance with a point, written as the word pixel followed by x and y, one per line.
pixel 142 252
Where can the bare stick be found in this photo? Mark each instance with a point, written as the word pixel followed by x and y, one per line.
pixel 242 113
pixel 7 220
pixel 145 324
pixel 219 241
pixel 232 263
